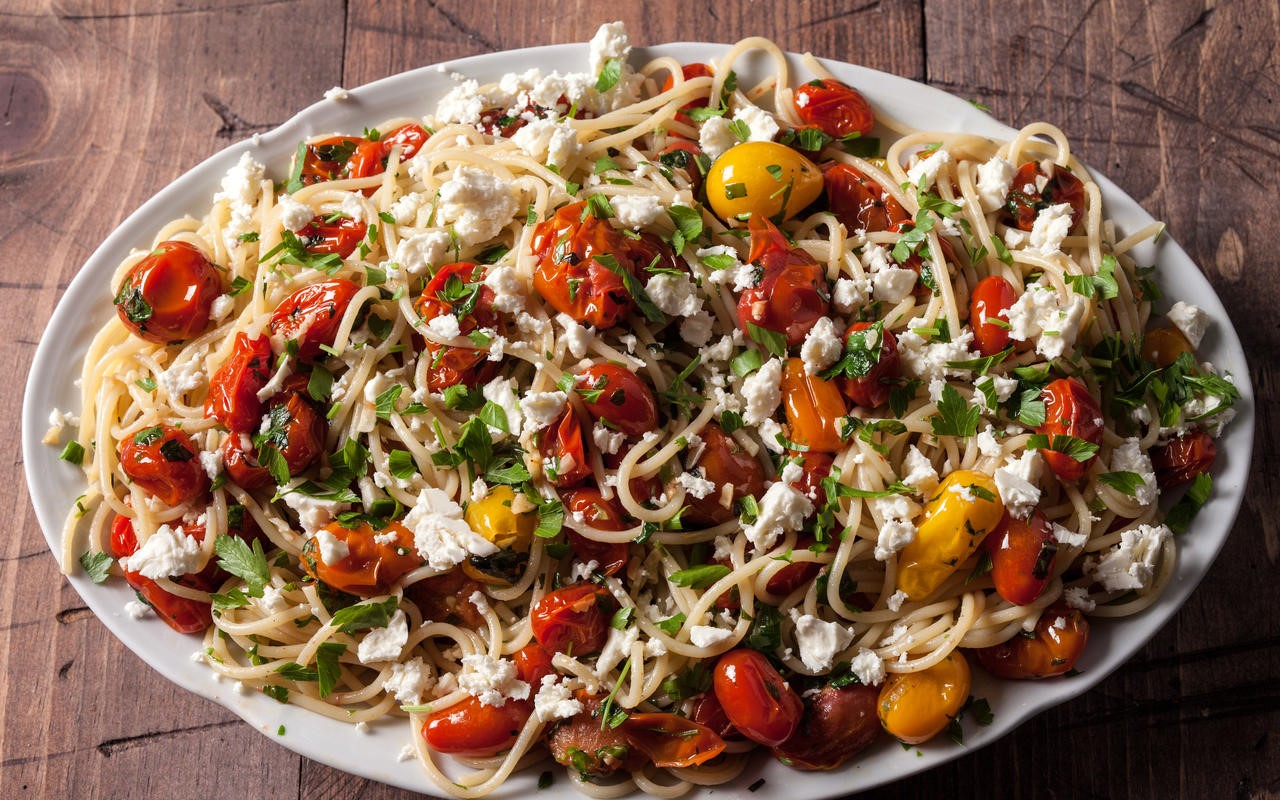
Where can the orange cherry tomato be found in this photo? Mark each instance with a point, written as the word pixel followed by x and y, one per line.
pixel 183 614
pixel 590 748
pixel 683 154
pixel 573 619
pixel 837 725
pixel 162 460
pixel 725 463
pixel 618 397
pixel 792 295
pixel 233 389
pixel 872 389
pixel 669 740
pixel 755 697
pixel 1022 554
pixel 166 297
pixel 1025 201
pixel 371 567
pixel 471 729
pixel 916 706
pixel 605 515
pixel 564 452
pixel 814 407
pixel 1059 640
pixel 835 108
pixel 447 598
pixel 1069 410
pixel 533 664
pixel 859 202
pixel 1182 459
pixel 329 159
pixel 690 71
pixel 568 276
pixel 993 295
pixel 312 314
pixel 1162 346
pixel 342 236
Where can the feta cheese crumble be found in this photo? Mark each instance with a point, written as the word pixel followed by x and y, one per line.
pixel 820 641
pixel 1016 483
pixel 168 552
pixel 440 534
pixel 762 391
pixel 1042 315
pixel 822 346
pixel 384 644
pixel 491 680
pixel 1191 320
pixel 1131 563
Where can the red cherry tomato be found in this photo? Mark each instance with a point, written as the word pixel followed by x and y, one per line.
pixel 564 452
pixel 163 461
pixel 472 729
pixel 618 397
pixel 241 463
pixel 371 567
pixel 341 236
pixel 1025 201
pixel 835 108
pixel 451 365
pixel 311 315
pixel 233 389
pixel 329 159
pixel 574 617
pixel 183 614
pixel 409 137
pixel 605 515
pixel 669 740
pixel 755 697
pixel 533 664
pixel 1070 410
pixel 1060 638
pixel 690 71
pixel 296 430
pixel 165 298
pixel 370 158
pixel 872 389
pixel 837 725
pixel 567 275
pixel 993 295
pixel 1183 458
pixel 816 466
pixel 725 463
pixel 1022 555
pixel 447 598
pixel 793 294
pixel 590 748
pixel 859 202
pixel 708 712
pixel 684 155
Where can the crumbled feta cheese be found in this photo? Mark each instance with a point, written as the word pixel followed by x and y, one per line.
pixel 771 434
pixel 697 486
pixel 1005 387
pixel 674 295
pixel 491 680
pixel 820 641
pixel 540 409
pixel 607 441
pixel 180 378
pixel 440 534
pixel 1016 483
pixel 889 282
pixel 465 103
pixel 895 601
pixel 337 94
pixel 211 461
pixel 384 644
pixel 868 667
pixel 332 549
pixel 137 609
pixel 1131 564
pixel 554 700
pixel 925 171
pixel 822 346
pixel 1040 314
pixel 240 187
pixel 1069 537
pixel 616 649
pixel 994 178
pixel 708 636
pixel 478 204
pixel 423 250
pixel 716 137
pixel 988 445
pixel 508 289
pixel 897 530
pixel 928 360
pixel 502 391
pixel 405 210
pixel 1051 226
pixel 576 337
pixel 444 327
pixel 610 41
pixel 761 124
pixel 637 210
pixel 408 681
pixel 1191 320
pixel 168 552
pixel 696 329
pixel 223 305
pixel 783 508
pixel 762 391
pixel 527 323
pixel 294 215
pixel 1077 597
pixel 272 600
pixel 849 294
pixel 313 512
pixel 407 753
pixel 654 648
pixel 550 141
pixel 1130 457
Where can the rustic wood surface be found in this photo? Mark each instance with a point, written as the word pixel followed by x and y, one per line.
pixel 102 104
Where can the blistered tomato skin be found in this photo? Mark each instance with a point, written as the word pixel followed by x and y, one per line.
pixel 764 179
pixel 183 614
pixel 991 300
pixel 371 567
pixel 568 275
pixel 1059 641
pixel 688 72
pixel 564 451
pixel 873 389
pixel 233 389
pixel 792 294
pixel 916 706
pixel 837 725
pixel 835 108
pixel 311 315
pixel 1022 557
pixel 601 513
pixel 166 297
pixel 1071 411
pixel 1027 198
pixel 859 202
pixel 965 508
pixel 574 617
pixel 618 397
pixel 725 463
pixel 472 729
pixel 1180 460
pixel 755 698
pixel 814 407
pixel 162 460
pixel 340 237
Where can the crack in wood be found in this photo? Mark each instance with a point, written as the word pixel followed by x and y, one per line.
pixel 1250 700
pixel 233 125
pixel 110 747
pixel 168 12
pixel 1140 92
pixel 1218 651
pixel 69 615
pixel 1200 23
pixel 459 26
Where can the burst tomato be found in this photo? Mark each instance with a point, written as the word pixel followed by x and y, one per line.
pixel 162 460
pixel 835 108
pixel 708 712
pixel 241 463
pixel 312 314
pixel 233 389
pixel 687 156
pixel 618 397
pixel 1070 410
pixel 295 430
pixel 563 451
pixel 1059 640
pixel 725 463
pixel 473 729
pixel 328 159
pixel 1183 458
pixel 837 725
pixel 183 614
pixel 569 277
pixel 872 389
pixel 1022 555
pixel 447 598
pixel 669 740
pixel 371 567
pixel 859 202
pixel 814 408
pixel 341 236
pixel 1026 199
pixel 605 515
pixel 533 663
pixel 452 365
pixel 575 618
pixel 690 71
pixel 590 748
pixel 166 297
pixel 993 295
pixel 792 296
pixel 755 697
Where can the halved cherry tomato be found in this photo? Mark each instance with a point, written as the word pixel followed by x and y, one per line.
pixel 570 278
pixel 708 712
pixel 451 365
pixel 859 202
pixel 166 297
pixel 370 157
pixel 793 294
pixel 590 748
pixel 328 159
pixel 563 451
pixel 311 315
pixel 371 567
pixel 755 697
pixel 341 236
pixel 690 71
pixel 618 397
pixel 915 706
pixel 1182 459
pixel 1060 638
pixel 835 108
pixel 605 515
pixel 685 155
pixel 670 740
pixel 233 389
pixel 447 598
pixel 725 463
pixel 183 614
pixel 533 664
pixel 574 617
pixel 993 295
pixel 162 460
pixel 873 389
pixel 814 408
pixel 837 725
pixel 1070 410
pixel 1025 201
pixel 1162 346
pixel 472 729
pixel 1022 555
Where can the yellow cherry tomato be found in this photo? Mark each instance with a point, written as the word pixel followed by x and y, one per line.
pixel 965 508
pixel 916 706
pixel 1162 346
pixel 493 519
pixel 758 178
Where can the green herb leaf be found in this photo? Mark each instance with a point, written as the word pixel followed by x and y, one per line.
pixel 672 625
pixel 401 464
pixel 1123 482
pixel 955 417
pixel 248 563
pixel 634 288
pixel 328 668
pixel 861 353
pixel 96 565
pixel 623 617
pixel 364 616
pixel 1185 510
pixel 765 633
pixel 609 75
pixel 774 342
pixel 74 452
pixel 320 384
pixel 699 577
pixel 1075 448
pixel 495 416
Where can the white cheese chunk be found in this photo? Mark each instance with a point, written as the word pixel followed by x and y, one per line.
pixel 1131 563
pixel 708 636
pixel 1130 457
pixel 440 534
pixel 169 552
pixel 820 641
pixel 1016 483
pixel 409 681
pixel 1051 226
pixel 491 681
pixel 635 211
pixel 822 346
pixel 384 644
pixel 555 700
pixel 994 179
pixel 1042 315
pixel 332 549
pixel 762 391
pixel 1191 320
pixel 783 508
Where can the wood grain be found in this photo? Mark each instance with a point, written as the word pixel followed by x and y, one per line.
pixel 102 104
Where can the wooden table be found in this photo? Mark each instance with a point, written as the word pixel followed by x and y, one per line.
pixel 101 105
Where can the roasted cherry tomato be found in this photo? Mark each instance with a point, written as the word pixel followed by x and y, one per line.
pixel 761 179
pixel 873 389
pixel 794 575
pixel 371 567
pixel 964 508
pixel 859 202
pixel 1182 459
pixel 669 740
pixel 452 365
pixel 495 519
pixel 618 397
pixel 447 598
pixel 1069 410
pixel 341 236
pixel 605 515
pixel 312 314
pixel 328 159
pixel 838 110
pixel 472 729
pixel 755 697
pixel 725 463
pixel 410 138
pixel 1022 555
pixel 296 430
pixel 166 297
pixel 915 706
pixel 590 748
pixel 533 664
pixel 837 725
pixel 563 451
pixel 791 296
pixel 816 466
pixel 685 155
pixel 162 460
pixel 814 409
pixel 992 296
pixel 241 463
pixel 1162 346
pixel 370 157
pixel 1026 200
pixel 574 617
pixel 1059 640
pixel 570 278
pixel 233 389
pixel 183 614
pixel 690 71
pixel 708 712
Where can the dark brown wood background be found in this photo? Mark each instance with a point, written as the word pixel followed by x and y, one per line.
pixel 102 104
